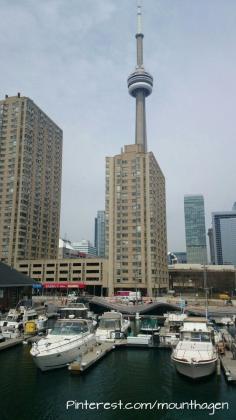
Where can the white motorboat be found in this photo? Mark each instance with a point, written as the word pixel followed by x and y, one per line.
pixel 225 321
pixel 195 355
pixel 76 311
pixel 41 323
pixel 112 326
pixel 15 321
pixel 73 310
pixel 169 334
pixel 149 325
pixel 68 340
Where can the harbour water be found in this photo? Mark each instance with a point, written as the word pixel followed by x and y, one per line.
pixel 130 375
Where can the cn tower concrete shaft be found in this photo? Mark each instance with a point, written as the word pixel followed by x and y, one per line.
pixel 140 129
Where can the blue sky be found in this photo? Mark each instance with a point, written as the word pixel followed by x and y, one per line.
pixel 72 57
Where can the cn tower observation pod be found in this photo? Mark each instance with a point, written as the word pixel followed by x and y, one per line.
pixel 140 80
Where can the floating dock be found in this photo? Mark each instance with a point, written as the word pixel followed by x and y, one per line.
pixel 228 357
pixel 100 350
pixel 11 342
pixel 229 366
pixel 91 357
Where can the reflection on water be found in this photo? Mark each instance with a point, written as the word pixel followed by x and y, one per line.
pixel 126 374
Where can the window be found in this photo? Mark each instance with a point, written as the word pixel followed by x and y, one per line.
pixel 92 271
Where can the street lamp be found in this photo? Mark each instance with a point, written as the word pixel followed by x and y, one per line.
pixel 234 280
pixel 205 288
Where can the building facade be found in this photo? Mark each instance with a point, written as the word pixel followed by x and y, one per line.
pixel 30 181
pixel 224 237
pixel 195 230
pixel 85 247
pixel 66 250
pixel 136 241
pixel 90 272
pixel 197 279
pixel 136 221
pixel 177 257
pixel 99 233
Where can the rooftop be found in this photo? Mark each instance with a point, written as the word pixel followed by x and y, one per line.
pixel 9 277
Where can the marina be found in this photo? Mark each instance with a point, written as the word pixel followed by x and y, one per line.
pixel 114 377
pixel 107 362
pixel 148 331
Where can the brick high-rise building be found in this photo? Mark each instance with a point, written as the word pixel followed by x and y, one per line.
pixel 30 181
pixel 136 242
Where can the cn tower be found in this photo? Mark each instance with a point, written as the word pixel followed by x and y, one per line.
pixel 140 84
pixel 136 241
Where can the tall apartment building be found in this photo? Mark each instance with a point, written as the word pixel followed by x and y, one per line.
pixel 99 233
pixel 136 242
pixel 224 237
pixel 30 181
pixel 195 230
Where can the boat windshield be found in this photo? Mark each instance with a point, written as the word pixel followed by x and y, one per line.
pixel 72 313
pixel 149 324
pixel 109 324
pixel 197 336
pixel 11 318
pixel 69 328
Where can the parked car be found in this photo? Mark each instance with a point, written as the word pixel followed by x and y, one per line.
pixel 2 338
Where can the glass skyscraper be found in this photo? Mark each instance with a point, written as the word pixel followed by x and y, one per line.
pixel 195 230
pixel 99 234
pixel 224 234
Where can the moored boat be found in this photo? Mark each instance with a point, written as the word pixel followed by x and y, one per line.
pixel 64 343
pixel 195 355
pixel 112 326
pixel 149 325
pixel 225 321
pixel 15 321
pixel 76 311
pixel 169 334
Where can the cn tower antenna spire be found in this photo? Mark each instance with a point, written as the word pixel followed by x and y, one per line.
pixel 140 84
pixel 139 17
